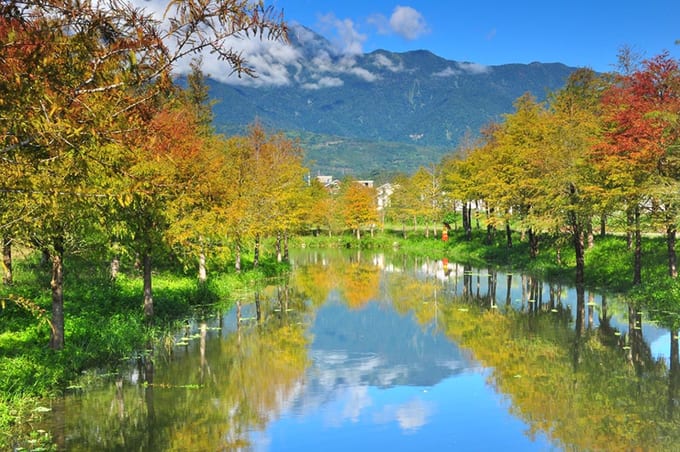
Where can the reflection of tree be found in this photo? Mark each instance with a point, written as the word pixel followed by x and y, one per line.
pixel 221 389
pixel 567 382
pixel 359 283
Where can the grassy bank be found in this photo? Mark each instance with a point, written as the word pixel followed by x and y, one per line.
pixel 104 326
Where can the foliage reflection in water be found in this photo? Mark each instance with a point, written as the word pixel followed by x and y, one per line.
pixel 373 352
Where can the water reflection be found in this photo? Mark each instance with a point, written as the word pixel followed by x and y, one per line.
pixel 391 352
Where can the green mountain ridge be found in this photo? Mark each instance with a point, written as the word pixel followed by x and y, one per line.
pixel 380 111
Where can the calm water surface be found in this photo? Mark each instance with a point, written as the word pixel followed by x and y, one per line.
pixel 368 352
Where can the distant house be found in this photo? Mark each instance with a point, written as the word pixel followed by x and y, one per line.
pixel 334 184
pixel 330 184
pixel 385 191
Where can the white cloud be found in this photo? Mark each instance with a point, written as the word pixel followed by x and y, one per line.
pixel 381 60
pixel 380 22
pixel 474 68
pixel 408 23
pixel 323 82
pixel 269 59
pixel 277 63
pixel 345 35
pixel 448 72
pixel 364 74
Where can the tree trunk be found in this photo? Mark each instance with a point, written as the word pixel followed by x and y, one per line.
pixel 533 243
pixel 591 236
pixel 603 225
pixel 671 232
pixel 256 251
pixel 57 286
pixel 237 258
pixel 286 255
pixel 489 227
pixel 148 292
pixel 465 217
pixel 579 249
pixel 630 220
pixel 508 234
pixel 279 256
pixel 202 270
pixel 637 264
pixel 114 268
pixel 7 277
pixel 467 208
pixel 358 231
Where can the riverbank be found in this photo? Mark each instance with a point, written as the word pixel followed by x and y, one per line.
pixel 608 262
pixel 105 325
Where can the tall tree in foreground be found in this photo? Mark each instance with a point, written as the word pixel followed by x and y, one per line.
pixel 639 152
pixel 85 68
pixel 571 181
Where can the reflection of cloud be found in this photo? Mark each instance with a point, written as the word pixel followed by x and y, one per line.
pixel 410 416
pixel 356 402
pixel 413 415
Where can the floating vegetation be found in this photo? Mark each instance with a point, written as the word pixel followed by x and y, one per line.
pixel 171 386
pixel 41 409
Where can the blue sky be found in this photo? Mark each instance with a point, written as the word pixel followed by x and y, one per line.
pixel 488 32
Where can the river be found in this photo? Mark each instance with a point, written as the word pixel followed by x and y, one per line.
pixel 360 351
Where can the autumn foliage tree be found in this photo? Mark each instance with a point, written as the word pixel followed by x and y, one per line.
pixel 639 153
pixel 82 75
pixel 359 206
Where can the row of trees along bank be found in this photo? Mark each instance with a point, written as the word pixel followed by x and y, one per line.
pixel 605 147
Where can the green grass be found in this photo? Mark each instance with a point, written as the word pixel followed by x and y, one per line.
pixel 104 323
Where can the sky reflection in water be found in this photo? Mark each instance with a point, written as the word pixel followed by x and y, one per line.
pixel 393 386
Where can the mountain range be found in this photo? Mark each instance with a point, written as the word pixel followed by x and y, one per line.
pixel 371 113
